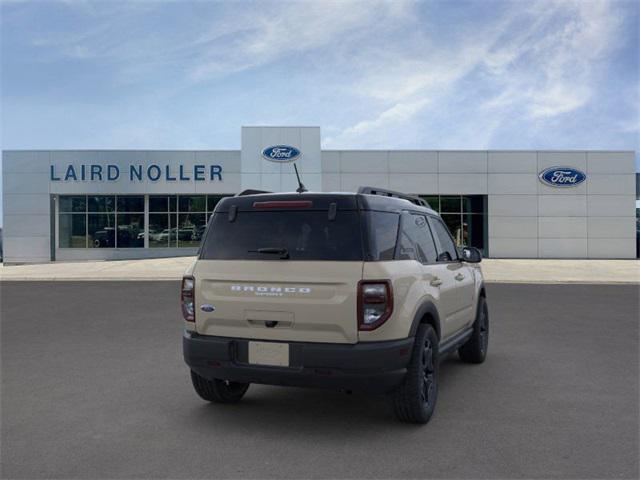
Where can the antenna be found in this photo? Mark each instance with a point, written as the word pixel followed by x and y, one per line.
pixel 301 188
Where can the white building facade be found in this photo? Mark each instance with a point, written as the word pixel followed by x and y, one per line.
pixel 117 204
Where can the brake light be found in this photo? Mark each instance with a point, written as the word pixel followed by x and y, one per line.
pixel 187 299
pixel 284 204
pixel 375 303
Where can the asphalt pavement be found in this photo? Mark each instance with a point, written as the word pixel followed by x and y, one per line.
pixel 94 386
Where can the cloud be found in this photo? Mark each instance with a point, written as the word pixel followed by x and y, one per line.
pixel 537 60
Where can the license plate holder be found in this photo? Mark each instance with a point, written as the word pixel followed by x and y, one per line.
pixel 273 354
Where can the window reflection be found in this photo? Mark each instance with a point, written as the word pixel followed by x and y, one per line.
pixel 118 221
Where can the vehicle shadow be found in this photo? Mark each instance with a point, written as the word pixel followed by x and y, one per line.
pixel 313 411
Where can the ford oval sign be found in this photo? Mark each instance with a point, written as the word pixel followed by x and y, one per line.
pixel 562 177
pixel 281 153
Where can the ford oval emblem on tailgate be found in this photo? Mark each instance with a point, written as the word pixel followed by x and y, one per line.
pixel 207 308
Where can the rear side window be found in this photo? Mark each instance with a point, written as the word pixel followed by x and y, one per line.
pixel 416 242
pixel 447 249
pixel 305 235
pixel 383 233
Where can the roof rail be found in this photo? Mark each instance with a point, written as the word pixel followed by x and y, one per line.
pixel 390 193
pixel 250 192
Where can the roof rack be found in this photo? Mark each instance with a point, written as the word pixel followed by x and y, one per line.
pixel 390 193
pixel 251 192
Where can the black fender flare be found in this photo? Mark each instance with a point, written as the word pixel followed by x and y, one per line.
pixel 427 308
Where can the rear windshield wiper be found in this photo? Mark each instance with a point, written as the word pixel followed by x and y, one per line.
pixel 283 252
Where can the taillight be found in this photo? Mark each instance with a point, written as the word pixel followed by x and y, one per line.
pixel 375 303
pixel 187 299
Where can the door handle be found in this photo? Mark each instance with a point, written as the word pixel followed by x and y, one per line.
pixel 459 277
pixel 436 282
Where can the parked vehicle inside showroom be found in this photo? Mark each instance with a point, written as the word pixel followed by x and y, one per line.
pixel 352 291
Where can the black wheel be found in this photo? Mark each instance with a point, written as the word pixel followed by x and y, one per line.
pixel 475 350
pixel 415 400
pixel 218 391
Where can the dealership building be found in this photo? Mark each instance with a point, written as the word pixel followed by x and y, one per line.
pixel 69 205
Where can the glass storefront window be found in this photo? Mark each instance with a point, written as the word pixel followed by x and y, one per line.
pixel 101 230
pixel 454 224
pixel 73 203
pixel 102 203
pixel 72 230
pixel 192 203
pixel 434 202
pixel 131 203
pixel 158 203
pixel 450 204
pixel 473 204
pixel 118 221
pixel 465 216
pixel 212 201
pixel 130 230
pixel 190 228
pixel 159 232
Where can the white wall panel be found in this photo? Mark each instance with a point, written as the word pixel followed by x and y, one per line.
pixel 460 184
pixel 32 161
pixel 513 205
pixel 612 227
pixel 330 162
pixel 462 162
pixel 562 159
pixel 562 205
pixel 513 227
pixel 512 183
pixel 20 183
pixel 25 225
pixel 612 205
pixel 25 204
pixel 330 182
pixel 562 227
pixel 611 162
pixel 612 248
pixel 22 249
pixel 356 161
pixel 407 161
pixel 599 184
pixel 349 182
pixel 513 247
pixel 562 247
pixel 229 160
pixel 418 183
pixel 512 162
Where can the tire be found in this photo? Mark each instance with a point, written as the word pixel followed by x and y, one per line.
pixel 414 401
pixel 218 391
pixel 475 349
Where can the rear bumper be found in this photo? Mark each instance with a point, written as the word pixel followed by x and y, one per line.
pixel 371 367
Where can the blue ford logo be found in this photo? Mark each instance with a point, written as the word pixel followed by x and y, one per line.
pixel 562 177
pixel 207 308
pixel 281 153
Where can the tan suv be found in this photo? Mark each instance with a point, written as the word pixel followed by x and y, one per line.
pixel 363 291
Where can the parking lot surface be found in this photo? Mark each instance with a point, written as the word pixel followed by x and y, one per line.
pixel 94 386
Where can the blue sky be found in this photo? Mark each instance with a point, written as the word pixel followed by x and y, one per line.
pixel 446 75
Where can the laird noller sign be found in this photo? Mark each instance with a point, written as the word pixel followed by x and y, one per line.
pixel 135 173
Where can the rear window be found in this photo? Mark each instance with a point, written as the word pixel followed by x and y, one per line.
pixel 304 235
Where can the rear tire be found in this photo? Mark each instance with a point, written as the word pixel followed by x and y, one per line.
pixel 414 401
pixel 475 350
pixel 218 391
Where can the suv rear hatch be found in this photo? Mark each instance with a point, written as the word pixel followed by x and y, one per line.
pixel 281 267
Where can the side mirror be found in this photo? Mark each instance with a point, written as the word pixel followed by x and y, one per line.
pixel 471 255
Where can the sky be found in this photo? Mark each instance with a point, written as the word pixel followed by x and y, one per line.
pixel 372 74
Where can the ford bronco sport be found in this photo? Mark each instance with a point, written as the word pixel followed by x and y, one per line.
pixel 352 291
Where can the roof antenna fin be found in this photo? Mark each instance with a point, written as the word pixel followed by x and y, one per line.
pixel 301 188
